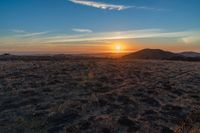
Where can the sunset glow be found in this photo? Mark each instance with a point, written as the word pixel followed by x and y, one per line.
pixel 118 48
pixel 97 27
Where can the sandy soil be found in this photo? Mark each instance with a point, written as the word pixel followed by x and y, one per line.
pixel 105 96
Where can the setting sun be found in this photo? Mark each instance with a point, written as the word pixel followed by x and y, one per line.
pixel 118 48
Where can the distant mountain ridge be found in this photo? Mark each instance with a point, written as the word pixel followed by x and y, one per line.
pixel 190 54
pixel 152 54
pixel 158 54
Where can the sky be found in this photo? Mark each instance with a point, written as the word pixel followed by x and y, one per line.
pixel 95 26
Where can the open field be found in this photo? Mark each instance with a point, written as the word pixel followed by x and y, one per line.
pixel 99 95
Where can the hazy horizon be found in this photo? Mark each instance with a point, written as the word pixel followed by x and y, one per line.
pixel 81 53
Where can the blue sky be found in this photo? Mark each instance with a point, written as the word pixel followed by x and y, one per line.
pixel 25 24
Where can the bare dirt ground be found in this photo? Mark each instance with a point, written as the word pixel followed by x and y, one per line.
pixel 105 96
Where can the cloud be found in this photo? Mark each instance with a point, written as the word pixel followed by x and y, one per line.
pixel 82 30
pixel 18 31
pixel 44 38
pixel 100 5
pixel 149 8
pixel 103 36
pixel 26 34
pixel 106 6
pixel 23 33
pixel 191 39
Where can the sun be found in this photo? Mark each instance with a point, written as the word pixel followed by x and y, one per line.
pixel 118 48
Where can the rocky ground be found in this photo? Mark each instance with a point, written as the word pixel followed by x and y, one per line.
pixel 104 96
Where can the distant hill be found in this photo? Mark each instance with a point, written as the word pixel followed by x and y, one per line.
pixel 57 57
pixel 105 55
pixel 6 54
pixel 158 54
pixel 190 54
pixel 153 54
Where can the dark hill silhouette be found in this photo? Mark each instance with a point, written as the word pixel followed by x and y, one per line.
pixel 153 54
pixel 190 54
pixel 6 54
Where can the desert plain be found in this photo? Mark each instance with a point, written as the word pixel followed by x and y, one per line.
pixel 99 95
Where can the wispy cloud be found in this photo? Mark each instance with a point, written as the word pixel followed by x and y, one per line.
pixel 149 8
pixel 103 36
pixel 32 34
pixel 100 5
pixel 18 31
pixel 82 30
pixel 107 6
pixel 23 33
pixel 22 37
pixel 190 39
pixel 44 38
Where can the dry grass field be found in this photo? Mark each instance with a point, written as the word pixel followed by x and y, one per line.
pixel 99 95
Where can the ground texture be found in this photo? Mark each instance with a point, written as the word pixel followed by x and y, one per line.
pixel 105 96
